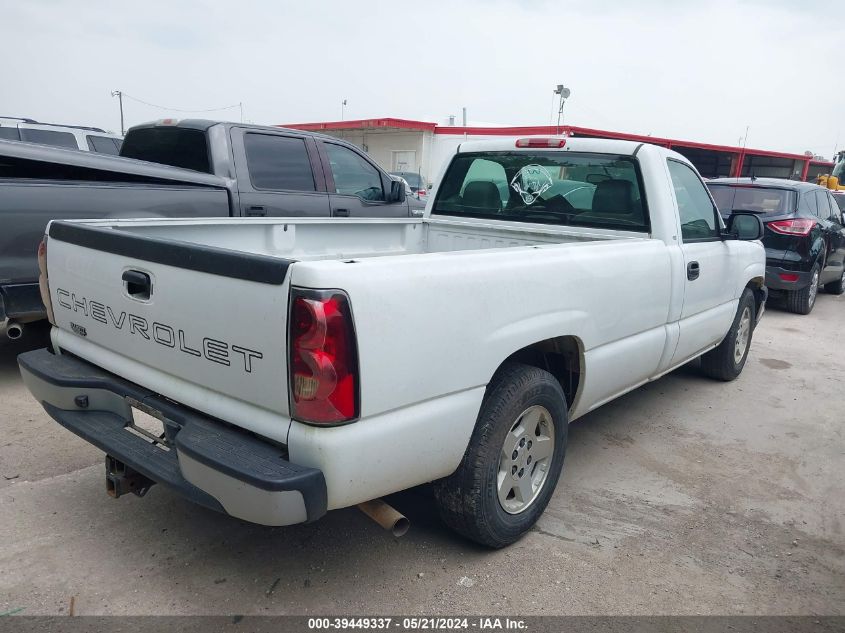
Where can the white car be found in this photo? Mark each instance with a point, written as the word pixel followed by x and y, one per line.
pixel 301 365
pixel 89 139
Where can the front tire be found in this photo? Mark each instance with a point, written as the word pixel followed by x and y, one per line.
pixel 802 301
pixel 726 361
pixel 513 461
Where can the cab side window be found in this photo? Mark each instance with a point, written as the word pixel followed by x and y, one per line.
pixel 698 214
pixel 278 163
pixel 354 176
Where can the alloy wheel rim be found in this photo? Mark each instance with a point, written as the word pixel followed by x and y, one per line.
pixel 525 459
pixel 814 287
pixel 742 335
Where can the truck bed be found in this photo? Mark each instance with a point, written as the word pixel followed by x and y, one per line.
pixel 314 239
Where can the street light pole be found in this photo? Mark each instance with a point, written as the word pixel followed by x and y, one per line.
pixel 563 92
pixel 342 109
pixel 119 95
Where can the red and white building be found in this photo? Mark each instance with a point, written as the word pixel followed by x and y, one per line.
pixel 423 147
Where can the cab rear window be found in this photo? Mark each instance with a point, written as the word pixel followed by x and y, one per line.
pixel 563 188
pixel 174 146
pixel 768 200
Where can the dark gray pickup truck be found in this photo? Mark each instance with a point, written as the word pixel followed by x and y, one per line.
pixel 189 168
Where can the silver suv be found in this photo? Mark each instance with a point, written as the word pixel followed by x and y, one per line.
pixel 89 139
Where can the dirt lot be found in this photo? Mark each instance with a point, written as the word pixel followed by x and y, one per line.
pixel 685 497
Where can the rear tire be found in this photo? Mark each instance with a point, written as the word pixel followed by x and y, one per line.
pixel 802 301
pixel 726 361
pixel 836 287
pixel 513 461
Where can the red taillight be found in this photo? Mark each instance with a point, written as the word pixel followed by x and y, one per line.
pixel 323 358
pixel 541 142
pixel 798 226
pixel 788 276
pixel 43 281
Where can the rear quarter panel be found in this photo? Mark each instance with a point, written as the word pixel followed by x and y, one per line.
pixel 440 323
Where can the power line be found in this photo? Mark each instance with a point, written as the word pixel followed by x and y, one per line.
pixel 153 105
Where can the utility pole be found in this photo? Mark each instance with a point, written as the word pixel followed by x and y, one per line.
pixel 342 109
pixel 119 95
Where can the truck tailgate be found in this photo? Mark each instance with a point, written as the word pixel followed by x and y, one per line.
pixel 202 325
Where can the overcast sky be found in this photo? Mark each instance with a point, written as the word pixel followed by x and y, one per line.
pixel 691 70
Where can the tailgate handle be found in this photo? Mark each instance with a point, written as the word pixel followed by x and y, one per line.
pixel 341 213
pixel 137 284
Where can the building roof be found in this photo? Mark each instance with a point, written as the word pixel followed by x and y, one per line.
pixel 392 124
pixel 386 123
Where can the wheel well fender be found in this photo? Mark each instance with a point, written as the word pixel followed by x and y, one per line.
pixel 561 356
pixel 757 286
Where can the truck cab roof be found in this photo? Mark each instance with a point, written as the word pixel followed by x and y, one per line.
pixel 203 125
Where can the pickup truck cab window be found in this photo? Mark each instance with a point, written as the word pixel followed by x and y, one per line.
pixel 569 188
pixel 174 146
pixel 698 215
pixel 353 175
pixel 278 163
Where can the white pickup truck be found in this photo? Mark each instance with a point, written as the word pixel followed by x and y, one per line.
pixel 302 365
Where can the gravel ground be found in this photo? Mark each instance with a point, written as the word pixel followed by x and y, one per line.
pixel 686 496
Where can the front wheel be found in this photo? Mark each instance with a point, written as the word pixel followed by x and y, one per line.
pixel 726 361
pixel 513 461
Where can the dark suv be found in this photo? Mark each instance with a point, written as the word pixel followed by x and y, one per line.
pixel 804 237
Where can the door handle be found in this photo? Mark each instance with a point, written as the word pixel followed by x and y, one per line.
pixel 256 210
pixel 341 213
pixel 138 285
pixel 693 270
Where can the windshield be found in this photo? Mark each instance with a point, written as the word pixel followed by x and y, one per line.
pixel 757 199
pixel 839 169
pixel 413 178
pixel 569 188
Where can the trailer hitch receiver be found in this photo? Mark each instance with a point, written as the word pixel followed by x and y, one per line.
pixel 121 479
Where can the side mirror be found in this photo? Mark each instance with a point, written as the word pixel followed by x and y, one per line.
pixel 744 226
pixel 397 191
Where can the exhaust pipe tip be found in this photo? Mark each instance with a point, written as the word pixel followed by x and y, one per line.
pixel 400 527
pixel 14 331
pixel 386 516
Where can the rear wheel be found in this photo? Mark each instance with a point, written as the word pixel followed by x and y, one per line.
pixel 513 461
pixel 836 287
pixel 726 361
pixel 802 301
